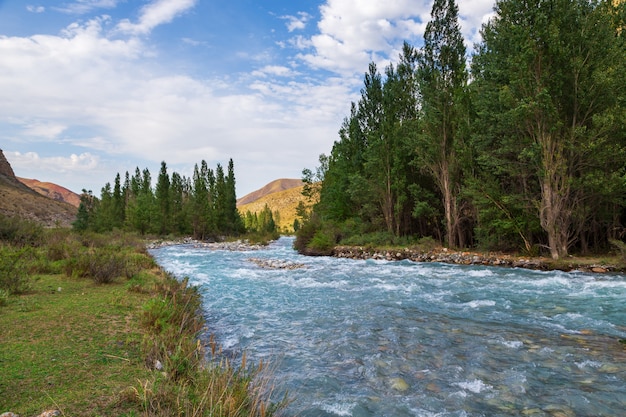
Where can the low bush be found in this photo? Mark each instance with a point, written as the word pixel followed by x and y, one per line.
pixel 322 243
pixel 19 232
pixel 102 265
pixel 13 270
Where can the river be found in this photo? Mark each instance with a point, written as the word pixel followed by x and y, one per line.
pixel 379 338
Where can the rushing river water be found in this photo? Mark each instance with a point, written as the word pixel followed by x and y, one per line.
pixel 378 338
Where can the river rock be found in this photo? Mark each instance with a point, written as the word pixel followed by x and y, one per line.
pixel 275 264
pixel 399 384
pixel 9 414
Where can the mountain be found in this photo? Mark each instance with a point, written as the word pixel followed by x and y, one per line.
pixel 273 187
pixel 17 200
pixel 281 195
pixel 53 191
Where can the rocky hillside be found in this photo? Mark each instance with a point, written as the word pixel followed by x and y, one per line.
pixel 280 195
pixel 17 200
pixel 53 191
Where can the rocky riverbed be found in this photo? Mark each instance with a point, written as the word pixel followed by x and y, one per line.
pixel 236 245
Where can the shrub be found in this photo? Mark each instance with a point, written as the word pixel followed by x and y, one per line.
pixel 101 265
pixel 19 232
pixel 13 272
pixel 306 233
pixel 322 243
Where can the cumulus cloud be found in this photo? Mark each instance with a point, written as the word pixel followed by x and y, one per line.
pixel 155 14
pixel 352 33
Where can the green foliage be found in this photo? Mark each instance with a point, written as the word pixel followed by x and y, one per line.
pixel 529 153
pixel 204 205
pixel 20 232
pixel 103 265
pixel 322 243
pixel 13 270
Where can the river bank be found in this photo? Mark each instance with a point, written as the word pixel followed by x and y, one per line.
pixel 605 264
pixel 444 255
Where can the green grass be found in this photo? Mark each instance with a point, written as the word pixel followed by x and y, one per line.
pixel 83 320
pixel 74 350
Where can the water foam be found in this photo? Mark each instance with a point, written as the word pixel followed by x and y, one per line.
pixel 476 386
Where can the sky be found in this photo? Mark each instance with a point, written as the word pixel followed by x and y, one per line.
pixel 92 88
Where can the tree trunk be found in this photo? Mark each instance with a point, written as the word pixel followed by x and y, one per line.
pixel 555 214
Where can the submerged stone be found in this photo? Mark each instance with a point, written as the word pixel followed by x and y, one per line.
pixel 399 384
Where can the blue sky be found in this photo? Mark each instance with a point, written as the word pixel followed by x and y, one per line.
pixel 90 88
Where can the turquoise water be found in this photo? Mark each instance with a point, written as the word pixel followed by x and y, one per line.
pixel 378 338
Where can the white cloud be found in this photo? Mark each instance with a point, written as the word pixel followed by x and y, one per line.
pixel 296 22
pixel 35 9
pixel 276 70
pixel 72 163
pixel 155 14
pixel 352 33
pixel 47 130
pixel 106 96
pixel 86 6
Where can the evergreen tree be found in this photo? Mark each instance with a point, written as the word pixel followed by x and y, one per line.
pixel 118 203
pixel 199 205
pixel 85 216
pixel 162 194
pixel 233 218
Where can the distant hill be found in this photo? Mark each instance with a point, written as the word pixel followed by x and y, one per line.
pixel 17 200
pixel 53 191
pixel 281 195
pixel 273 187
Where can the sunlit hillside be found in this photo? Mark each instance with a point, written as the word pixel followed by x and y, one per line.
pixel 285 202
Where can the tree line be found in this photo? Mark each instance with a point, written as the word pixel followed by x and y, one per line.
pixel 203 206
pixel 523 147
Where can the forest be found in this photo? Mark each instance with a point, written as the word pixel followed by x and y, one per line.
pixel 519 146
pixel 204 206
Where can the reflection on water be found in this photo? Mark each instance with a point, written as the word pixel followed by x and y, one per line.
pixel 377 338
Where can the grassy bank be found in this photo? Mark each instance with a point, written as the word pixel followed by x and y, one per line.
pixel 91 327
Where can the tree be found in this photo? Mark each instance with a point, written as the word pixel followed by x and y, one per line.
pixel 442 77
pixel 163 200
pixel 86 211
pixel 200 204
pixel 118 203
pixel 233 218
pixel 554 73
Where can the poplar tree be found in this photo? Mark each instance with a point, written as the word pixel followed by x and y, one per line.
pixel 550 86
pixel 442 77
